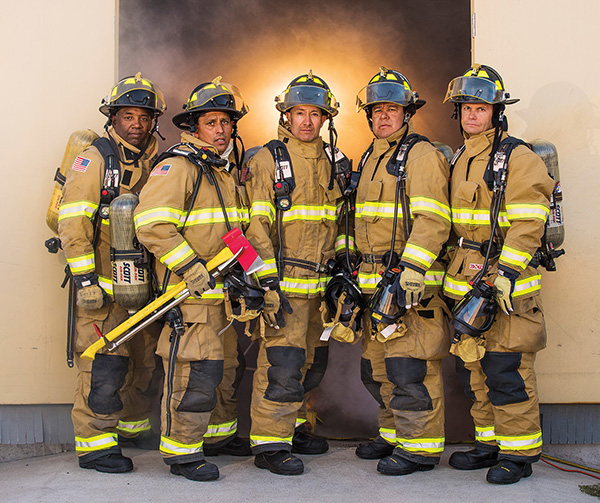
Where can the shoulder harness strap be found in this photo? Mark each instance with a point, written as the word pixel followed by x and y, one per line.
pixel 285 182
pixel 112 174
pixel 499 161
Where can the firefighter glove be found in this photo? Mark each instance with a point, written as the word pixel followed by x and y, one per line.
pixel 275 303
pixel 198 279
pixel 89 293
pixel 504 287
pixel 413 284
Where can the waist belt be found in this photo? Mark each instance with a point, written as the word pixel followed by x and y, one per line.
pixel 372 259
pixel 305 264
pixel 477 246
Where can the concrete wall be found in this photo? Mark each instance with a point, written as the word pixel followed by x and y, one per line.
pixel 58 62
pixel 544 52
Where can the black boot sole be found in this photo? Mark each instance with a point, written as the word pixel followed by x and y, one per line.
pixel 261 462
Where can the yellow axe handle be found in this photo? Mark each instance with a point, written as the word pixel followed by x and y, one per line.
pixel 90 353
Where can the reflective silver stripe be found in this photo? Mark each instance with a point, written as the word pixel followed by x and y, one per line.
pixel 432 445
pixel 485 433
pixel 169 446
pixel 221 430
pixel 520 442
pixel 259 440
pixel 388 435
pixel 134 426
pixel 96 443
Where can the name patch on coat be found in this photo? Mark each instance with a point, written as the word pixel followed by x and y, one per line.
pixel 81 164
pixel 475 267
pixel 161 170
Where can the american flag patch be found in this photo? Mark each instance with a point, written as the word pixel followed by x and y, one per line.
pixel 80 164
pixel 161 170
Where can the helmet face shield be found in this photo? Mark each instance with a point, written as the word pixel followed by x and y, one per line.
pixel 310 95
pixel 474 89
pixel 384 92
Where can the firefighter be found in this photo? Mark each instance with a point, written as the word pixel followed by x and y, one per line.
pixel 502 384
pixel 294 219
pixel 114 392
pixel 402 223
pixel 190 201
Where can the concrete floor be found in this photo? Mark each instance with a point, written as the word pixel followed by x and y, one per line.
pixel 338 476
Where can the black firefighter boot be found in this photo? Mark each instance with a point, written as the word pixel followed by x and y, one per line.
pixel 200 471
pixel 375 449
pixel 305 443
pixel 474 459
pixel 508 472
pixel 235 447
pixel 279 462
pixel 109 463
pixel 397 465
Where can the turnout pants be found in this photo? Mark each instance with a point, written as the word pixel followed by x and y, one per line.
pixel 404 375
pixel 503 385
pixel 193 364
pixel 290 364
pixel 114 392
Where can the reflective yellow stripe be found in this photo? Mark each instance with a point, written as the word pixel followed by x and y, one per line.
pixel 170 446
pixel 485 433
pixel 527 211
pixel 302 285
pixel 269 269
pixel 96 443
pixel 340 243
pixel 469 216
pixel 455 287
pixel 161 214
pixel 300 421
pixel 388 434
pixel 418 254
pixel 426 204
pixel 264 209
pixel 215 215
pixel 106 284
pixel 519 442
pixel 261 440
pixel 375 209
pixel 134 426
pixel 77 209
pixel 514 257
pixel 368 282
pixel 527 285
pixel 310 213
pixel 177 255
pixel 82 264
pixel 434 278
pixel 221 430
pixel 432 445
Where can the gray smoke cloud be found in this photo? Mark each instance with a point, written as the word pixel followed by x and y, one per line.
pixel 260 46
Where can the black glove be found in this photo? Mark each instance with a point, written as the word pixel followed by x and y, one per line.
pixel 275 303
pixel 398 290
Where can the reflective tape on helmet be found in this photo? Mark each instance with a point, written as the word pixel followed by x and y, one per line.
pixel 134 426
pixel 429 445
pixel 221 430
pixel 519 442
pixel 174 448
pixel 256 440
pixel 96 443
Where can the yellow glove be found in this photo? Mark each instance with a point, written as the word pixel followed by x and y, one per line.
pixel 89 293
pixel 413 284
pixel 198 279
pixel 504 287
pixel 272 304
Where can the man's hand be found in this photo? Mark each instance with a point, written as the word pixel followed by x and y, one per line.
pixel 198 279
pixel 413 284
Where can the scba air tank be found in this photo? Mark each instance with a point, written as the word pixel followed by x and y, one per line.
pixel 131 283
pixel 555 227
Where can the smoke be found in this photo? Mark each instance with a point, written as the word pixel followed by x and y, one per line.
pixel 260 46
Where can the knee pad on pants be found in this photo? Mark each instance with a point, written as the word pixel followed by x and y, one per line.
pixel 284 374
pixel 314 375
pixel 108 376
pixel 366 376
pixel 464 376
pixel 505 384
pixel 201 392
pixel 408 374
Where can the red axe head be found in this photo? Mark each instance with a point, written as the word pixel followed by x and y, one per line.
pixel 249 259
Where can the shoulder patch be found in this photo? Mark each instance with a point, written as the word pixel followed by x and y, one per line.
pixel 161 170
pixel 81 164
